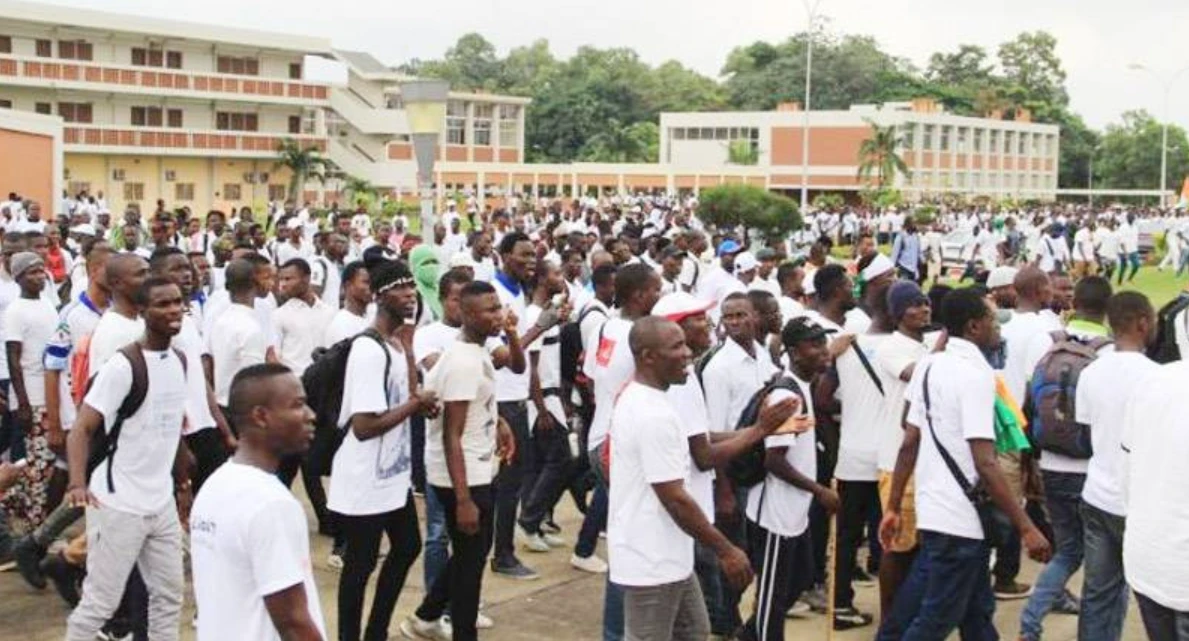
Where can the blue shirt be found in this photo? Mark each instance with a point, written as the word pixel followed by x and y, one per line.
pixel 906 252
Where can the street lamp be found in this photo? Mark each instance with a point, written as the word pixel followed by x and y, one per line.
pixel 1090 175
pixel 811 12
pixel 425 104
pixel 1168 85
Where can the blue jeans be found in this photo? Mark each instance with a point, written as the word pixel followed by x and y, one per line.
pixel 1104 590
pixel 1162 623
pixel 907 601
pixel 957 590
pixel 437 539
pixel 1063 500
pixel 613 620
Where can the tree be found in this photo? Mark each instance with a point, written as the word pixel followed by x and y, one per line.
pixel 637 142
pixel 878 154
pixel 741 152
pixel 303 163
pixel 967 66
pixel 755 209
pixel 1129 156
pixel 1031 65
pixel 358 188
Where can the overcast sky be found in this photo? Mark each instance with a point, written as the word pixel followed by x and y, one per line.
pixel 1097 38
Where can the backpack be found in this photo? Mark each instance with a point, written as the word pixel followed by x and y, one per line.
pixel 324 381
pixel 105 442
pixel 748 469
pixel 1165 349
pixel 573 354
pixel 1052 393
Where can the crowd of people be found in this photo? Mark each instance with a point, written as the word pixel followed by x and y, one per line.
pixel 734 412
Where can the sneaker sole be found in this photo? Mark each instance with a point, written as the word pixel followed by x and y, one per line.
pixel 517 577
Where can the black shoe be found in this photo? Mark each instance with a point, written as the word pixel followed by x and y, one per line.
pixel 850 618
pixel 861 578
pixel 28 556
pixel 515 570
pixel 67 578
pixel 549 527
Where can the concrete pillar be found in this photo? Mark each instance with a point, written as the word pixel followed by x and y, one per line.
pixel 481 189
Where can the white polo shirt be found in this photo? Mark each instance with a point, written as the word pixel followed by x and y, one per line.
pixel 300 328
pixel 235 342
pixel 863 405
pixel 510 386
pixel 730 379
pixel 690 404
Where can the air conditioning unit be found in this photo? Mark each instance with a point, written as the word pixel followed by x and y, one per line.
pixel 117 175
pixel 170 175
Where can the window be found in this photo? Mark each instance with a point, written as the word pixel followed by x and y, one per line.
pixel 907 137
pixel 171 175
pixel 173 59
pixel 509 126
pixel 278 193
pixel 295 71
pixel 976 180
pixel 155 57
pixel 5 44
pixel 243 66
pixel 294 124
pixel 146 117
pixel 483 124
pixel 678 133
pixel 133 192
pixel 945 138
pixel 978 141
pixel 117 175
pixel 1009 139
pixel 1021 144
pixel 236 121
pixel 963 132
pixel 75 111
pixel 927 138
pixel 720 133
pixel 78 187
pixel 44 48
pixel 231 191
pixel 43 108
pixel 174 118
pixel 695 133
pixel 74 50
pixel 183 191
pixel 5 103
pixel 456 122
pixel 993 146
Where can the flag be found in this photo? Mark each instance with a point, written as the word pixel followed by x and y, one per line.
pixel 1009 421
pixel 1184 202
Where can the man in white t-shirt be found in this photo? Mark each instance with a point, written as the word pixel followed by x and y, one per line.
pixel 463 448
pixel 132 517
pixel 1155 550
pixel 1052 254
pixel 236 338
pixel 653 521
pixel 951 410
pixel 357 310
pixel 370 482
pixel 249 541
pixel 1084 262
pixel 1103 391
pixel 300 323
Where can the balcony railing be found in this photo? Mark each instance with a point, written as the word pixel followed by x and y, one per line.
pixel 147 138
pixel 154 78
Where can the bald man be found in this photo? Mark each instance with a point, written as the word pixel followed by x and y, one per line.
pixel 653 520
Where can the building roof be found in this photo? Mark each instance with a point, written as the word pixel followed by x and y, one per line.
pixel 63 16
pixel 363 62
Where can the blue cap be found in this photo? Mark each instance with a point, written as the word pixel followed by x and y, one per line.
pixel 728 246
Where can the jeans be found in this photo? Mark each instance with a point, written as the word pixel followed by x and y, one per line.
pixel 545 481
pixel 437 539
pixel 906 602
pixel 116 542
pixel 1163 623
pixel 1007 559
pixel 461 580
pixel 613 594
pixel 1104 590
pixel 710 580
pixel 509 481
pixel 594 522
pixel 5 536
pixel 669 612
pixel 417 430
pixel 207 447
pixel 857 498
pixel 1124 259
pixel 736 532
pixel 956 590
pixel 359 560
pixel 1063 498
pixel 1182 261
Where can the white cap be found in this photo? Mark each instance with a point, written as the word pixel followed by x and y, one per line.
pixel 1001 277
pixel 745 262
pixel 86 229
pixel 462 259
pixel 879 266
pixel 679 305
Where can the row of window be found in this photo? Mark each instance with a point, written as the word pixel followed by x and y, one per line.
pixel 183 192
pixel 715 133
pixel 83 113
pixel 974 140
pixel 975 180
pixel 151 56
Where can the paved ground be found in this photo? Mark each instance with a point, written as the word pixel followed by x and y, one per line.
pixel 564 604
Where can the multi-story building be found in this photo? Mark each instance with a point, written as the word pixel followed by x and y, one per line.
pixel 193 114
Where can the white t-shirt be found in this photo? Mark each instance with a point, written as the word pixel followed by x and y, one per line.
pixel 1083 245
pixel 372 476
pixel 1107 242
pixel 248 540
pixel 344 324
pixel 114 331
pixel 510 386
pixel 548 348
pixel 962 395
pixel 1018 334
pixel 649 446
pixel 1102 393
pixel 236 341
pixel 30 322
pixel 1156 544
pixel 464 372
pixel 148 442
pixel 198 410
pixel 77 320
pixel 610 366
pixel 1051 251
pixel 895 355
pixel 326 274
pixel 300 328
pixel 689 403
pixel 785 509
pixel 863 407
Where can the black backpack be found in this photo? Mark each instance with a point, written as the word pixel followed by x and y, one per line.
pixel 572 352
pixel 105 442
pixel 323 381
pixel 748 469
pixel 1165 349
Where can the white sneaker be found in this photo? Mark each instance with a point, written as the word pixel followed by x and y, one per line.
pixel 531 542
pixel 334 561
pixel 592 564
pixel 483 622
pixel 553 540
pixel 799 609
pixel 415 628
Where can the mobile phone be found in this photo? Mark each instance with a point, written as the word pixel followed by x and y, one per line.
pixel 21 464
pixel 558 300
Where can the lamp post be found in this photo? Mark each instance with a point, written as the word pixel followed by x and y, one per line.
pixel 811 12
pixel 425 104
pixel 1168 85
pixel 1090 175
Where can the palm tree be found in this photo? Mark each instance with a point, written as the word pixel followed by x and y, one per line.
pixel 303 163
pixel 878 155
pixel 356 187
